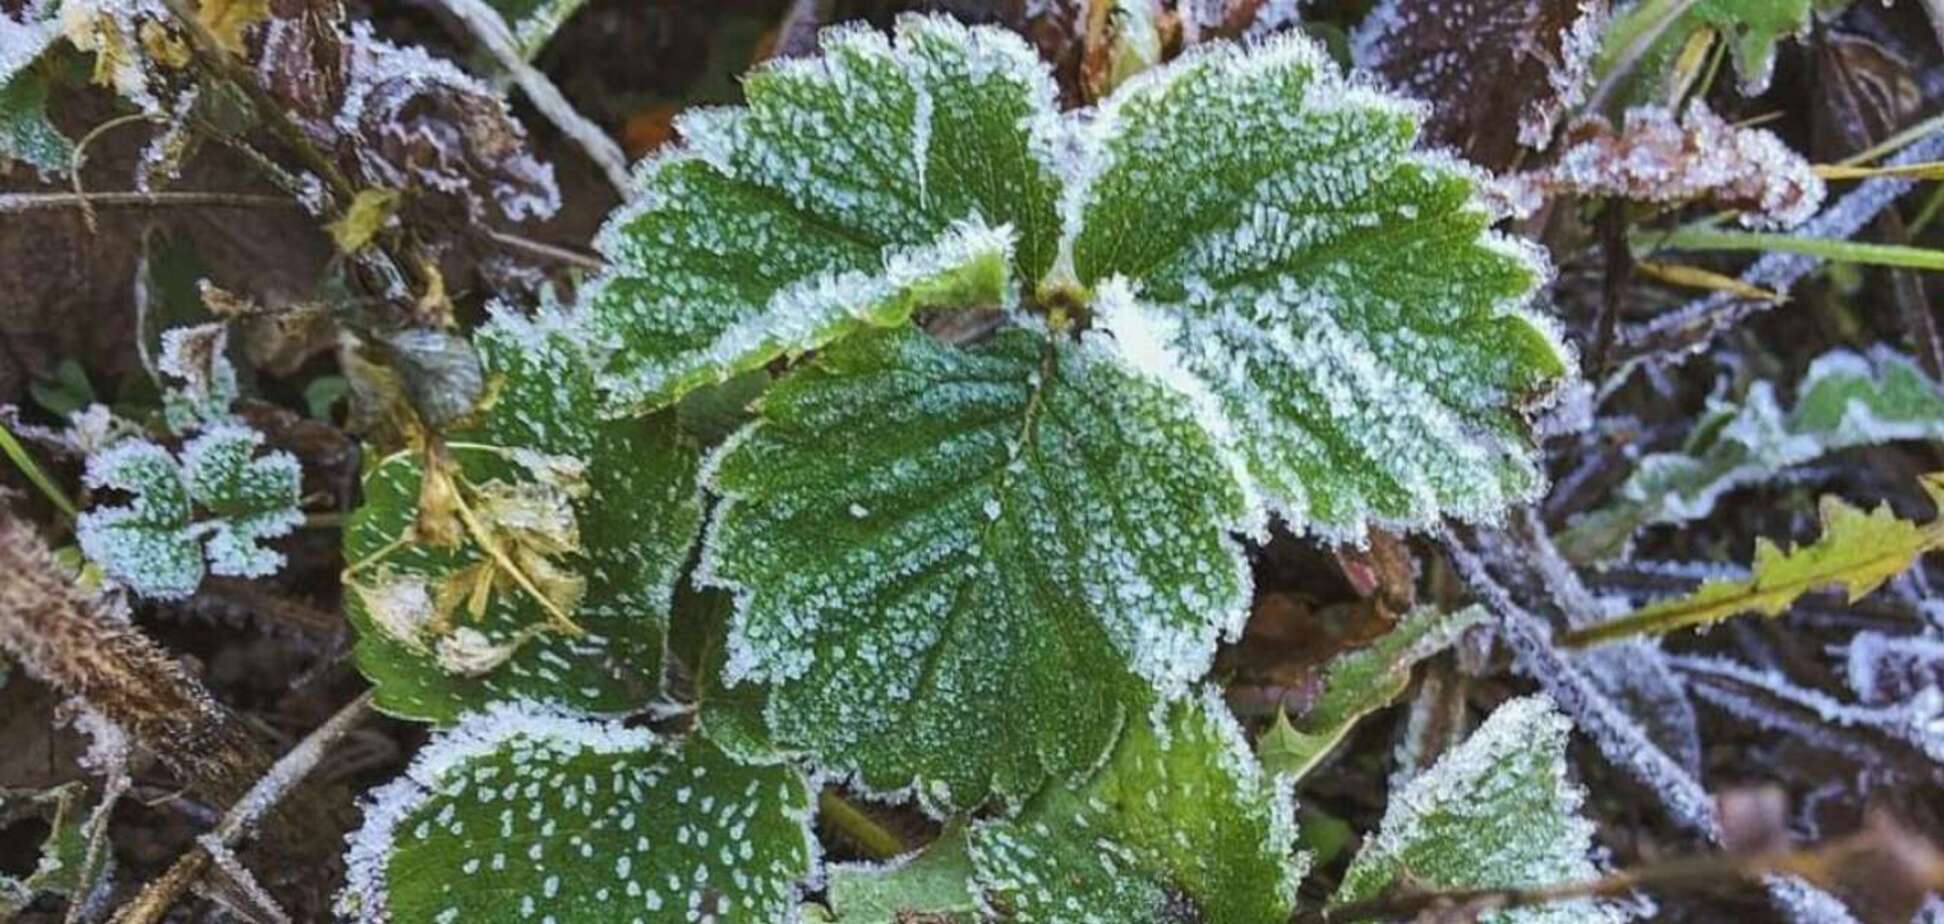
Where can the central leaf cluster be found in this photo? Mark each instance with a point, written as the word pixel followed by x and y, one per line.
pixel 963 568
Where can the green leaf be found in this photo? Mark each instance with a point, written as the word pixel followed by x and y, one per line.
pixel 1181 824
pixel 933 885
pixel 853 189
pixel 1751 27
pixel 1339 296
pixel 208 507
pixel 1358 683
pixel 1496 812
pixel 1857 551
pixel 25 132
pixel 964 569
pixel 65 868
pixel 1846 399
pixel 521 814
pixel 633 507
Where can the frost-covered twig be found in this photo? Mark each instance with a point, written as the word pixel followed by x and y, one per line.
pixel 1619 738
pixel 24 202
pixel 487 27
pixel 293 768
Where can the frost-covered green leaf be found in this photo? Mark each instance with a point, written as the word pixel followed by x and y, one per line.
pixel 25 132
pixel 208 507
pixel 1180 824
pixel 610 510
pixel 854 188
pixel 202 380
pixel 1846 399
pixel 965 569
pixel 933 885
pixel 1337 294
pixel 1358 683
pixel 1496 812
pixel 521 814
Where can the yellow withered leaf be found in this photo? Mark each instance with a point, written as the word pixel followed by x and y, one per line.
pixel 1857 551
pixel 369 211
pixel 229 19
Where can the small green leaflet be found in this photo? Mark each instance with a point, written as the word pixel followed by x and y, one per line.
pixel 208 507
pixel 1359 683
pixel 519 813
pixel 633 523
pixel 964 569
pixel 1846 399
pixel 65 867
pixel 25 132
pixel 1495 812
pixel 933 885
pixel 1181 824
pixel 854 188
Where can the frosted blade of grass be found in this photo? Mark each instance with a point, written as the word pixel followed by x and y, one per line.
pixel 519 812
pixel 855 187
pixel 1840 251
pixel 965 571
pixel 1341 296
pixel 637 522
pixel 1180 824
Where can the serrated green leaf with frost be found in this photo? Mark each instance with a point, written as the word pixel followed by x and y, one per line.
pixel 1496 812
pixel 1358 683
pixel 520 813
pixel 1752 28
pixel 964 570
pixel 854 188
pixel 636 523
pixel 1846 399
pixel 1180 824
pixel 534 22
pixel 205 509
pixel 1339 294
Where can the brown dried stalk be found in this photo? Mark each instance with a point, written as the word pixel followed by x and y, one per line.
pixel 83 646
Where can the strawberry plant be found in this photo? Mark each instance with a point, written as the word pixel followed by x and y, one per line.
pixel 975 573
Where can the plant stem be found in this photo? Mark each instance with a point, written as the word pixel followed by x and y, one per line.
pixel 28 467
pixel 861 829
pixel 1708 239
pixel 21 202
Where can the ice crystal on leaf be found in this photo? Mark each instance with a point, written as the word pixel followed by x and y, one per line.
pixel 598 515
pixel 519 813
pixel 1180 824
pixel 1496 812
pixel 196 359
pixel 1043 544
pixel 207 507
pixel 1235 288
pixel 26 134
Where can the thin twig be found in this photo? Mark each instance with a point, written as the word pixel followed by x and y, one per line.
pixel 542 249
pixel 22 202
pixel 293 768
